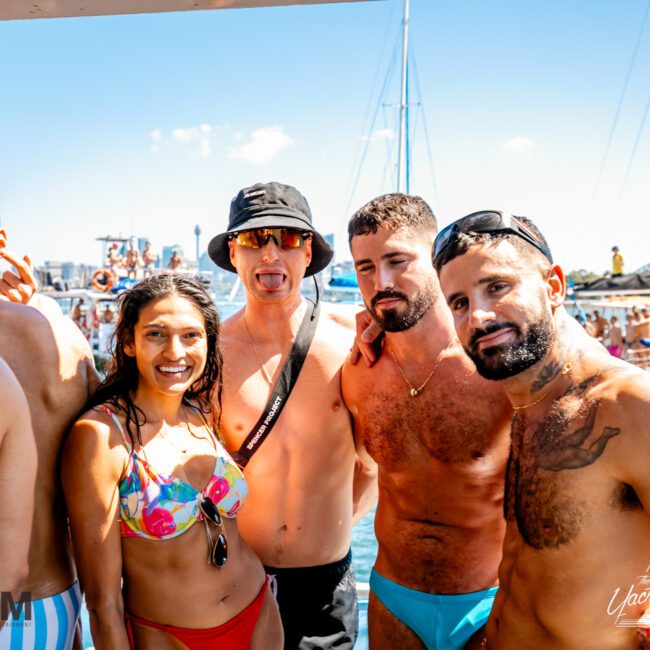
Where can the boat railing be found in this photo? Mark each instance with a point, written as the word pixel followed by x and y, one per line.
pixel 639 357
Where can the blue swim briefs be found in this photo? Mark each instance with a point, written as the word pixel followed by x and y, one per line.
pixel 443 622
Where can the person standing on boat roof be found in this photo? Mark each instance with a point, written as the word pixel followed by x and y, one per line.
pixel 439 435
pixel 149 258
pixel 617 262
pixel 577 549
pixel 54 366
pixel 113 258
pixel 132 261
pixel 301 506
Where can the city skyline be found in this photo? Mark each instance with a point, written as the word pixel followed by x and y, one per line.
pixel 148 125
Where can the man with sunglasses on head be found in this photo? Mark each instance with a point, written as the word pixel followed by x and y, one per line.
pixel 577 549
pixel 439 435
pixel 299 513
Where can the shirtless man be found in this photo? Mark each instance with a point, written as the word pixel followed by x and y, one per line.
pixel 54 366
pixel 577 550
pixel 601 324
pixel 439 435
pixel 615 338
pixel 113 258
pixel 17 478
pixel 132 261
pixel 175 261
pixel 299 513
pixel 149 258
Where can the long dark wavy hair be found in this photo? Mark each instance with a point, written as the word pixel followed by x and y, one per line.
pixel 121 382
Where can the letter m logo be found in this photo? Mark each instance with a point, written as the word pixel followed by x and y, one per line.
pixel 7 604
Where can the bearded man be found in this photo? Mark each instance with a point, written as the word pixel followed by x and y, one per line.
pixel 577 548
pixel 439 435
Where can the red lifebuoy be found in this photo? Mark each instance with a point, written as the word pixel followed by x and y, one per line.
pixel 107 275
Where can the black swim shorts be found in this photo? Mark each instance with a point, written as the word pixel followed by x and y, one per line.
pixel 318 605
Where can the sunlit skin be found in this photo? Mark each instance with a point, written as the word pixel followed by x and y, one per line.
pixel 300 508
pixel 507 291
pixel 170 347
pixel 402 263
pixel 54 365
pixel 578 493
pixel 283 268
pixel 441 455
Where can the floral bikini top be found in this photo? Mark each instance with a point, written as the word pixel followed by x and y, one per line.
pixel 162 506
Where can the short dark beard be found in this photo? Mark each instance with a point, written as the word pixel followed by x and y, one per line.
pixel 393 320
pixel 501 362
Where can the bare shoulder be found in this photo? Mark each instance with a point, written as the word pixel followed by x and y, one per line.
pixel 358 380
pixel 11 396
pixel 627 389
pixel 95 437
pixel 342 314
pixel 231 330
pixel 38 332
pixel 333 340
pixel 7 379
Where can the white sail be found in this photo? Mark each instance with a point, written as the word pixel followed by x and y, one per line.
pixel 20 9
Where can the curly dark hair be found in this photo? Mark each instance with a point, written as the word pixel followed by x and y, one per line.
pixel 121 379
pixel 394 211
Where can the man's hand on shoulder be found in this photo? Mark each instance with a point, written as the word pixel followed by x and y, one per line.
pixel 369 340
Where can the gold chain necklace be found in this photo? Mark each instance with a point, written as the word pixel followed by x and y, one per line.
pixel 568 366
pixel 416 391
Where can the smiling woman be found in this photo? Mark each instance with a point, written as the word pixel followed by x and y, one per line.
pixel 145 464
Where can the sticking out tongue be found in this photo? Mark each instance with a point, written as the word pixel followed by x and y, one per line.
pixel 271 280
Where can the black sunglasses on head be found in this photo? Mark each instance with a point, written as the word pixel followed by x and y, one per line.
pixel 489 221
pixel 217 550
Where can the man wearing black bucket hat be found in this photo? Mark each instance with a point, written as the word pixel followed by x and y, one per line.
pixel 300 462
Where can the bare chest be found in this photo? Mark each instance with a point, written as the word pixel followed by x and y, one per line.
pixel 555 475
pixel 451 421
pixel 313 418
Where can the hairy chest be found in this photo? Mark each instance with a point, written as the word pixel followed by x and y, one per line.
pixel 449 422
pixel 555 478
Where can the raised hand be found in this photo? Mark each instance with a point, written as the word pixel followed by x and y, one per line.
pixel 19 285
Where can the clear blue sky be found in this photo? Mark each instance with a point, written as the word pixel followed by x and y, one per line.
pixel 148 125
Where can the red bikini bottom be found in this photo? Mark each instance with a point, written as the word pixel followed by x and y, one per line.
pixel 234 634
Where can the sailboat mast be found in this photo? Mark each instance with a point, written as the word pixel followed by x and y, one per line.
pixel 402 153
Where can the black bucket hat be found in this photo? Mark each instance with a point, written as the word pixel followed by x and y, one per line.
pixel 270 205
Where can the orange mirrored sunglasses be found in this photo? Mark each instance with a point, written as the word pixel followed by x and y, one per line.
pixel 284 237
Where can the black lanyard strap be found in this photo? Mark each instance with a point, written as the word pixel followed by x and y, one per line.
pixel 282 389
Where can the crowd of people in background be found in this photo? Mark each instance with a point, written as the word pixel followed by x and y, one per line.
pixel 617 337
pixel 136 263
pixel 499 442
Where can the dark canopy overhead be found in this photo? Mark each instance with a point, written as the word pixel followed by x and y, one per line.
pixel 629 282
pixel 18 9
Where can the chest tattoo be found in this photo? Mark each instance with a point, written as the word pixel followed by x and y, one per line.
pixel 541 497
